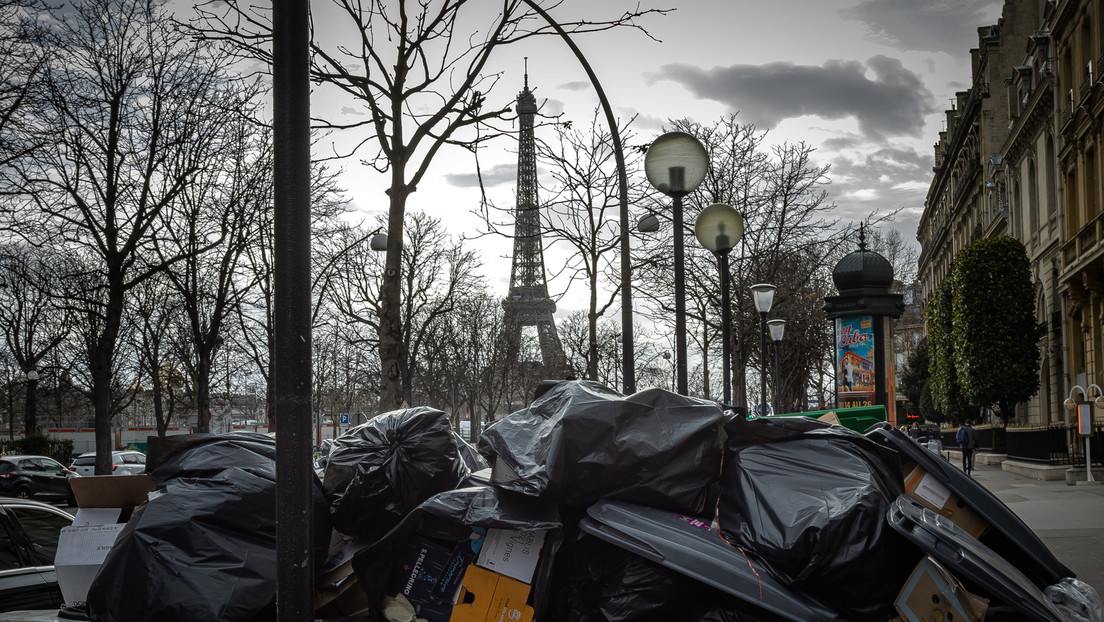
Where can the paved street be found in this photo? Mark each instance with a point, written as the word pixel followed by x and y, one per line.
pixel 1068 519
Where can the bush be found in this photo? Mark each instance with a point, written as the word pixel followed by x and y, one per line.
pixel 60 449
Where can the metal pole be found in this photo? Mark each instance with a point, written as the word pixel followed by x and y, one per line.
pixel 291 356
pixel 726 331
pixel 680 293
pixel 777 370
pixel 763 359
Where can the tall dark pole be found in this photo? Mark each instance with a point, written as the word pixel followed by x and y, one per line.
pixel 680 287
pixel 763 359
pixel 777 370
pixel 30 419
pixel 291 357
pixel 726 321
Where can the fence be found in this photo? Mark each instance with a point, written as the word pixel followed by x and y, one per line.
pixel 1053 445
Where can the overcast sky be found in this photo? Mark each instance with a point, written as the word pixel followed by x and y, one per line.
pixel 865 82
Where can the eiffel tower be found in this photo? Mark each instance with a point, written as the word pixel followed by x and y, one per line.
pixel 528 303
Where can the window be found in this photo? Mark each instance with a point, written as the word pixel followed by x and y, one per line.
pixel 9 555
pixel 43 528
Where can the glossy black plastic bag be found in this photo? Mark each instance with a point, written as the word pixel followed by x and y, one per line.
pixel 203 545
pixel 377 472
pixel 809 499
pixel 581 442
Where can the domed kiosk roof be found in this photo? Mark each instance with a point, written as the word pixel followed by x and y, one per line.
pixel 863 270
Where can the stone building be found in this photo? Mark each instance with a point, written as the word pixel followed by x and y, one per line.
pixel 1020 157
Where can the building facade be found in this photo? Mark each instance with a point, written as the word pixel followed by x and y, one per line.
pixel 1020 157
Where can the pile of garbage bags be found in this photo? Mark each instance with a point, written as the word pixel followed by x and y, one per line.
pixel 590 505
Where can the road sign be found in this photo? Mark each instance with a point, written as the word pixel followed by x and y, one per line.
pixel 344 418
pixel 759 408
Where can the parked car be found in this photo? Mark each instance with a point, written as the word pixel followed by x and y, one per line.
pixel 123 462
pixel 29 533
pixel 30 476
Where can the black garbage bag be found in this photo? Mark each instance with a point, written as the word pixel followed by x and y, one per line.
pixel 379 471
pixel 808 499
pixel 600 582
pixel 203 545
pixel 581 442
pixel 448 518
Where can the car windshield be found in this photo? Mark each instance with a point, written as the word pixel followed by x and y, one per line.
pixel 85 461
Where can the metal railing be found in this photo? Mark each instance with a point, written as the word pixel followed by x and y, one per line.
pixel 1052 445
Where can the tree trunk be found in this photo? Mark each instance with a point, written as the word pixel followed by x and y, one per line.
pixel 390 331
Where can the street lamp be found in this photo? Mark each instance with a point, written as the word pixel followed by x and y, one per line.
pixel 676 164
pixel 777 329
pixel 30 419
pixel 718 228
pixel 763 294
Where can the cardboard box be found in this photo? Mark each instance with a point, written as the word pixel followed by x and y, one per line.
pixel 932 594
pixel 104 504
pixel 487 596
pixel 934 495
pixel 512 552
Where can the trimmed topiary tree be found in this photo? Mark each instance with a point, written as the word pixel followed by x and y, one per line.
pixel 946 397
pixel 996 344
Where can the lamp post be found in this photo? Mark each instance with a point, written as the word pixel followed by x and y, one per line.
pixel 763 294
pixel 676 164
pixel 31 419
pixel 777 329
pixel 718 228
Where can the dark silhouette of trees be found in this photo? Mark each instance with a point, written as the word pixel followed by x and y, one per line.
pixel 127 112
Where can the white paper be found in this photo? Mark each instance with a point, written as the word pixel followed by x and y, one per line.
pixel 932 490
pixel 512 552
pixel 86 545
pixel 97 516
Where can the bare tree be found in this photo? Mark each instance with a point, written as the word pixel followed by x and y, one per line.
pixel 581 213
pixel 789 237
pixel 215 219
pixel 129 113
pixel 424 80
pixel 31 319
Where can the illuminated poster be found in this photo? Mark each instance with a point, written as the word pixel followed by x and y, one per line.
pixel 855 361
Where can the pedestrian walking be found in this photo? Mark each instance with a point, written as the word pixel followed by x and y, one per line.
pixel 967 441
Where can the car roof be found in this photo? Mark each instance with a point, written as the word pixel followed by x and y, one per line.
pixel 13 502
pixel 21 456
pixel 114 453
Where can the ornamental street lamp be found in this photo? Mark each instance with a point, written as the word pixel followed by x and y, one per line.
pixel 718 228
pixel 763 294
pixel 777 329
pixel 676 164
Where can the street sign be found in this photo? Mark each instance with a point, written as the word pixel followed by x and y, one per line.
pixel 759 408
pixel 344 418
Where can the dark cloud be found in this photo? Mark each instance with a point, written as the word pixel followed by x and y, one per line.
pixel 948 26
pixel 494 176
pixel 882 180
pixel 892 102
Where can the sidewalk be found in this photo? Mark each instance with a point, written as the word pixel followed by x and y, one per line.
pixel 1068 519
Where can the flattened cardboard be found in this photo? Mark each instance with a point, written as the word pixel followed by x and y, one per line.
pixel 934 495
pixel 931 593
pixel 111 491
pixel 512 552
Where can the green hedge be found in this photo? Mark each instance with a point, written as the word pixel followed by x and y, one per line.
pixel 60 449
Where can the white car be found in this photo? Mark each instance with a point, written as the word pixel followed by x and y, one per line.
pixel 123 462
